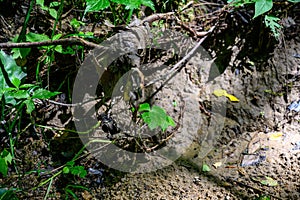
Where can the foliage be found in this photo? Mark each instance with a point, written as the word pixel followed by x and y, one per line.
pixel 51 9
pixel 272 23
pixel 205 168
pixel 7 194
pixel 155 117
pixel 13 91
pixel 262 7
pixel 5 159
pixel 74 170
pixel 266 180
pixel 96 5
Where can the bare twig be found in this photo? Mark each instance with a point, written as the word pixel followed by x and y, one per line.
pixel 178 66
pixel 65 41
pixel 156 17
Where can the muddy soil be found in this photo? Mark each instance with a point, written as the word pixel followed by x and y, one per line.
pixel 260 138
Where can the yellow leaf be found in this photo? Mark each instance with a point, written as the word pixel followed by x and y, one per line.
pixel 275 135
pixel 232 98
pixel 220 93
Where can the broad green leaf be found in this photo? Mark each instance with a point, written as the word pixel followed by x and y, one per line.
pixel 3 167
pixel 156 117
pixel 262 6
pixel 53 13
pixel 205 168
pixel 21 94
pixel 12 70
pixel 6 156
pixel 29 106
pixel 43 94
pixel 59 49
pixel 34 37
pixel 9 99
pixel 16 82
pixel 294 1
pixel 96 5
pixel 144 107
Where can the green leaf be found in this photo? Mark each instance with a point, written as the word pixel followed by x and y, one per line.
pixel 135 4
pixel 156 117
pixel 76 24
pixel 27 85
pixel 54 3
pixel 269 181
pixel 41 3
pixel 20 52
pixel 78 171
pixel 29 106
pixel 34 37
pixel 5 158
pixel 294 1
pixel 205 168
pixel 10 66
pixel 16 82
pixel 66 170
pixel 12 70
pixel 9 99
pixel 96 5
pixel 144 107
pixel 57 36
pixel 171 121
pixel 43 94
pixel 263 198
pixel 70 163
pixel 262 6
pixel 59 49
pixel 20 94
pixel 272 23
pixel 3 167
pixel 53 13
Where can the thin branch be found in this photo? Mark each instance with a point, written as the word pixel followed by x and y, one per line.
pixel 156 17
pixel 178 66
pixel 65 41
